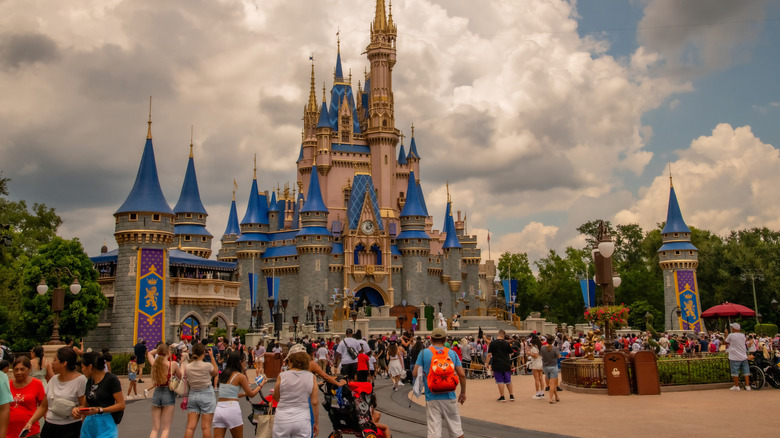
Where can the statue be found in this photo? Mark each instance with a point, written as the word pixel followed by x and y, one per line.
pixel 589 347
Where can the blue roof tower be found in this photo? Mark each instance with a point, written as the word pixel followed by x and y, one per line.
pixel 451 241
pixel 402 155
pixel 189 199
pixel 413 149
pixel 412 206
pixel 232 223
pixel 314 200
pixel 674 219
pixel 190 230
pixel 413 215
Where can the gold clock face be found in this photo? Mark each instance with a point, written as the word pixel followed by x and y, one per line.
pixel 367 227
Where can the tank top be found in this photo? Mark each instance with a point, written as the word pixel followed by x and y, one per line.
pixel 295 391
pixel 229 390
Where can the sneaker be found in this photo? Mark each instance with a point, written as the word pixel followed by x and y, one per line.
pixel 734 388
pixel 501 399
pixel 146 393
pixel 536 397
pixel 511 397
pixel 140 381
pixel 558 388
pixel 747 388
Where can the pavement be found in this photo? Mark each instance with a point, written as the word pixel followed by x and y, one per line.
pixel 718 412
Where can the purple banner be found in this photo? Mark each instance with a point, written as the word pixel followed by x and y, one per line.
pixel 688 300
pixel 150 296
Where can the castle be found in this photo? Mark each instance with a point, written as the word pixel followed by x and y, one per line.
pixel 362 227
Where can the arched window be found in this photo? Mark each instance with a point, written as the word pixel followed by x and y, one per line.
pixel 358 249
pixel 378 253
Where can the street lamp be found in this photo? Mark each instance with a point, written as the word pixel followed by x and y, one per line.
pixel 58 299
pixel 440 303
pixel 605 276
pixel 284 309
pixel 324 318
pixel 679 314
pixel 773 304
pixel 295 326
pixel 309 313
pixel 753 276
pixel 353 314
pixel 402 320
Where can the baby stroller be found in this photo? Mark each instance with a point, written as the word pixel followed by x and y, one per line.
pixel 349 409
pixel 265 408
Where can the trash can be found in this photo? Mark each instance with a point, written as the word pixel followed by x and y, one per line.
pixel 646 380
pixel 616 370
pixel 272 365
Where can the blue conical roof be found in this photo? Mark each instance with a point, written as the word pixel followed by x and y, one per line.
pixel 252 215
pixel 189 199
pixel 232 224
pixel 314 200
pixel 146 194
pixel 412 207
pixel 451 241
pixel 272 205
pixel 422 199
pixel 324 120
pixel 296 212
pixel 262 207
pixel 446 215
pixel 402 155
pixel 413 150
pixel 339 73
pixel 674 219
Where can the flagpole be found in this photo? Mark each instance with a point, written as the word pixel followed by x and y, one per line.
pixel 489 257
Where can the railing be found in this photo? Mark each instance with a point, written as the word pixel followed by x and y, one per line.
pixel 583 373
pixel 503 315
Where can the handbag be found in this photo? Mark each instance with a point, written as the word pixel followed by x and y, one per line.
pixel 182 388
pixel 264 426
pixel 62 407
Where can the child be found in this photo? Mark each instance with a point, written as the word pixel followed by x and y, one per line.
pixel 362 367
pixel 382 429
pixel 132 376
pixel 5 366
pixel 371 366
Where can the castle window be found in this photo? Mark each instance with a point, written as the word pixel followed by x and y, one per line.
pixel 419 240
pixel 285 259
pixel 202 238
pixel 200 216
pixel 188 215
pixel 319 237
pixel 186 238
pixel 691 252
pixel 676 234
pixel 133 216
pixel 156 217
pixel 677 253
pixel 171 219
pixel 249 244
pixel 385 159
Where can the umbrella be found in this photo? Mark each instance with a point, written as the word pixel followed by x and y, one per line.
pixel 727 310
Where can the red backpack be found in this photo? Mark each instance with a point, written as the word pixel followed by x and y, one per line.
pixel 441 375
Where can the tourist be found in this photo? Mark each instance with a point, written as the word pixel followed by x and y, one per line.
pixel 201 401
pixel 227 415
pixel 297 412
pixel 349 363
pixel 322 356
pixel 41 368
pixel 536 366
pixel 104 399
pixel 163 398
pixel 441 408
pixel 395 363
pixel 314 368
pixel 414 322
pixel 5 399
pixel 738 361
pixel 465 352
pixel 64 391
pixel 362 366
pixel 29 400
pixel 550 355
pixel 259 354
pixel 500 359
pixel 140 351
pixel 132 376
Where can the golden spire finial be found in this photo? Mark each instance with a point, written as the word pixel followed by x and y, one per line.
pixel 314 159
pixel 312 92
pixel 235 187
pixel 380 19
pixel 449 199
pixel 350 76
pixel 179 241
pixel 402 138
pixel 323 91
pixel 412 130
pixel 338 40
pixel 192 129
pixel 671 184
pixel 255 174
pixel 149 131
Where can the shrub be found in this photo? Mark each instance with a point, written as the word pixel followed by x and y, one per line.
pixel 119 364
pixel 766 329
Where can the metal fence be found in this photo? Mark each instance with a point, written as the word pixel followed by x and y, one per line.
pixel 584 373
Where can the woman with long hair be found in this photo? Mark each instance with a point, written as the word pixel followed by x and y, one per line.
pixel 163 398
pixel 259 353
pixel 297 414
pixel 64 391
pixel 104 404
pixel 395 363
pixel 550 355
pixel 536 366
pixel 29 403
pixel 41 368
pixel 201 402
pixel 228 412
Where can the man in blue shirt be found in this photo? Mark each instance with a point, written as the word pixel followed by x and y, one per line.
pixel 441 408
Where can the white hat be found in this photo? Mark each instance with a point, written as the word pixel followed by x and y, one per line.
pixel 735 325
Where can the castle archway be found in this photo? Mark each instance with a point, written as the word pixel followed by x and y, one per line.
pixel 191 325
pixel 370 294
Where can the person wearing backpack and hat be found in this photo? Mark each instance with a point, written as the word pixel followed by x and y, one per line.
pixel 441 368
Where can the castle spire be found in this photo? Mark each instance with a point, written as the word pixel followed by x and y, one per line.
pixel 338 74
pixel 192 129
pixel 312 92
pixel 232 223
pixel 189 199
pixel 451 241
pixel 674 219
pixel 412 206
pixel 149 130
pixel 380 19
pixel 314 200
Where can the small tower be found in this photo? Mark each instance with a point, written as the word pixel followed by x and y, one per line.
pixel 273 213
pixel 414 244
pixel 451 263
pixel 144 228
pixel 229 246
pixel 414 157
pixel 191 234
pixel 679 259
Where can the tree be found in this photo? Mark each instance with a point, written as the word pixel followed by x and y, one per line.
pixel 517 266
pixel 81 311
pixel 558 284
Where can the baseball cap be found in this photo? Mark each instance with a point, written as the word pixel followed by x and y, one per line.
pixel 735 325
pixel 438 333
pixel 297 348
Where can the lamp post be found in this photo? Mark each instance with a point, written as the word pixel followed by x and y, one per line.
pixel 463 300
pixel 605 276
pixel 309 313
pixel 58 299
pixel 324 318
pixel 259 321
pixel 295 326
pixel 753 276
pixel 440 303
pixel 679 314
pixel 284 301
pixel 277 314
pixel 401 321
pixel 353 314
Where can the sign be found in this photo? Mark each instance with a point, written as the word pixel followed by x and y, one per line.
pixel 687 294
pixel 149 321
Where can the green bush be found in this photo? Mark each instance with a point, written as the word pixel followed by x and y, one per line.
pixel 766 329
pixel 241 333
pixel 119 364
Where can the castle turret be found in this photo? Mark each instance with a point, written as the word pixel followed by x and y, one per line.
pixel 414 244
pixel 679 259
pixel 273 213
pixel 229 246
pixel 413 157
pixel 190 231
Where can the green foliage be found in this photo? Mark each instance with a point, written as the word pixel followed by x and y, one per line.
pixel 119 364
pixel 766 329
pixel 81 311
pixel 639 309
pixel 517 266
pixel 241 333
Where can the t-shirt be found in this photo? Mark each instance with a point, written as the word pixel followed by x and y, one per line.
pixel 371 363
pixel 322 353
pixel 737 348
pixel 101 395
pixel 549 357
pixel 501 352
pixel 140 353
pixel 346 359
pixel 424 361
pixel 198 374
pixel 70 390
pixel 5 391
pixel 25 401
pixel 465 352
pixel 362 362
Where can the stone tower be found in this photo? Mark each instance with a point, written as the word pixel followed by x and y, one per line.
pixel 414 244
pixel 144 221
pixel 678 259
pixel 190 233
pixel 451 264
pixel 313 243
pixel 228 251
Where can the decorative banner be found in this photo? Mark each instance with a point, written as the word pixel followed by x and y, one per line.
pixel 149 321
pixel 688 300
pixel 511 287
pixel 273 287
pixel 191 327
pixel 588 287
pixel 252 289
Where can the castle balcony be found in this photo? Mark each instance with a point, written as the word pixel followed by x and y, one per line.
pixel 361 271
pixel 205 292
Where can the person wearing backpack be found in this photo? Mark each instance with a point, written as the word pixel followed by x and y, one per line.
pixel 441 371
pixel 347 352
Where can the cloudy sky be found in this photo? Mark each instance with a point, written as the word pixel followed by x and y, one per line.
pixel 541 114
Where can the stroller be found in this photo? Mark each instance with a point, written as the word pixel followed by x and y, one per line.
pixel 349 409
pixel 266 407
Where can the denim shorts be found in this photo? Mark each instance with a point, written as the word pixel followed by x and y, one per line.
pixel 550 372
pixel 163 397
pixel 202 401
pixel 737 366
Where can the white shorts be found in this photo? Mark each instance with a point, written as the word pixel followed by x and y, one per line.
pixel 228 415
pixel 443 417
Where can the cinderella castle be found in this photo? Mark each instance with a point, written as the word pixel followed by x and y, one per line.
pixel 356 227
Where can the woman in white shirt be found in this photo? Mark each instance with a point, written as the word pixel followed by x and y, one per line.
pixel 64 391
pixel 297 414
